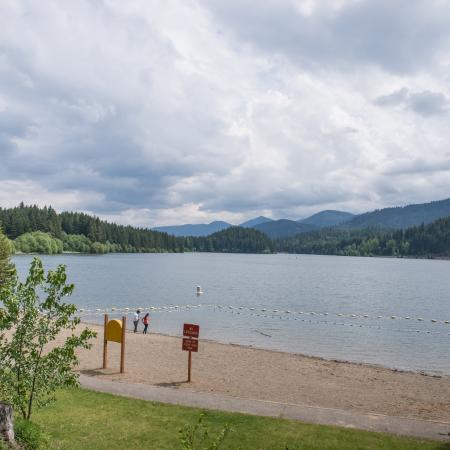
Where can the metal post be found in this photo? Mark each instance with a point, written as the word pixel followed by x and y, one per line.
pixel 122 345
pixel 105 343
pixel 189 366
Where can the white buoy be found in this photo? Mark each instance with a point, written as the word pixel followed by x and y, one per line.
pixel 199 290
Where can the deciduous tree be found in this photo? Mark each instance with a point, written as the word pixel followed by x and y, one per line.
pixel 34 314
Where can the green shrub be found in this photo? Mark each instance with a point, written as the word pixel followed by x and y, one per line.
pixel 30 435
pixel 194 437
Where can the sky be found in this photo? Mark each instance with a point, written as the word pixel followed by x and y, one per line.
pixel 165 112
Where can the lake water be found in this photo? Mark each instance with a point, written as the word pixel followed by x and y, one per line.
pixel 355 309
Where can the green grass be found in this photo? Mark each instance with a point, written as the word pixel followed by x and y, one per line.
pixel 84 420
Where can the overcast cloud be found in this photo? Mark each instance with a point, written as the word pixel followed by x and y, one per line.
pixel 162 112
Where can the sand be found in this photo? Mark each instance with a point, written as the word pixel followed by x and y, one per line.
pixel 269 375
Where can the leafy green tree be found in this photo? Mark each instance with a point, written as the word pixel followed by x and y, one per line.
pixel 7 269
pixel 76 243
pixel 33 366
pixel 38 242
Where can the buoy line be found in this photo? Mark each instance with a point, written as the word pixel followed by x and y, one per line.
pixel 353 325
pixel 174 308
pixel 272 314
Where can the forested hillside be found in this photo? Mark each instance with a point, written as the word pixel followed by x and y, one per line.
pixel 78 230
pixel 43 230
pixel 401 217
pixel 232 240
pixel 283 228
pixel 432 240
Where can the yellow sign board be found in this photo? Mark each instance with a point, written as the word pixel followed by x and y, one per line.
pixel 114 331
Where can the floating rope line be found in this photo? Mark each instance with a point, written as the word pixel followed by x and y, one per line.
pixel 353 325
pixel 265 313
pixel 174 308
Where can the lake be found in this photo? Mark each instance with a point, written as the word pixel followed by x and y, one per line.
pixel 347 308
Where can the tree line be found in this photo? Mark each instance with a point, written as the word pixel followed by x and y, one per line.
pixel 31 229
pixel 42 230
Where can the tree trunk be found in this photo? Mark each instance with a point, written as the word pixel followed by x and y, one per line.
pixel 6 422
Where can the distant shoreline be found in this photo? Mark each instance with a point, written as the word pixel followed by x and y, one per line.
pixel 439 258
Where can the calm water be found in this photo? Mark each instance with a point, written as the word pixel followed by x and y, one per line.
pixel 333 293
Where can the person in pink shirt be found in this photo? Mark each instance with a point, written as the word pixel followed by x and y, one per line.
pixel 146 321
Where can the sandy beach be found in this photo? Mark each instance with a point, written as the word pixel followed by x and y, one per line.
pixel 269 375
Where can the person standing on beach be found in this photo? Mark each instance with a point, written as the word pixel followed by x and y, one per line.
pixel 146 321
pixel 136 320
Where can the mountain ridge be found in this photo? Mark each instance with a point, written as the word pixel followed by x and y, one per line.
pixel 284 228
pixel 256 221
pixel 194 230
pixel 328 218
pixel 401 217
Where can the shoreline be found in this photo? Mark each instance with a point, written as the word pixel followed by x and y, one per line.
pixel 432 374
pixel 305 355
pixel 271 375
pixel 430 257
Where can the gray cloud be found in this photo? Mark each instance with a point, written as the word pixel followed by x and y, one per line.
pixel 399 37
pixel 425 103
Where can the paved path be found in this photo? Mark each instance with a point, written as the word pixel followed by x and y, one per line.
pixel 305 413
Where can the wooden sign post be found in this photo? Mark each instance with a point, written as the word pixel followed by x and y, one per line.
pixel 190 343
pixel 114 331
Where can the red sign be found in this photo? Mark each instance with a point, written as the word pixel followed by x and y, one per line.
pixel 191 330
pixel 190 345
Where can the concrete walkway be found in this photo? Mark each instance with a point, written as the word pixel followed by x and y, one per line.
pixel 305 413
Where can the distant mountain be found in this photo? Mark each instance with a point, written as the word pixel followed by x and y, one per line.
pixel 201 229
pixel 401 217
pixel 283 228
pixel 328 218
pixel 256 221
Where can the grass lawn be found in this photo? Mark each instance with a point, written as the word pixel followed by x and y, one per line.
pixel 84 420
